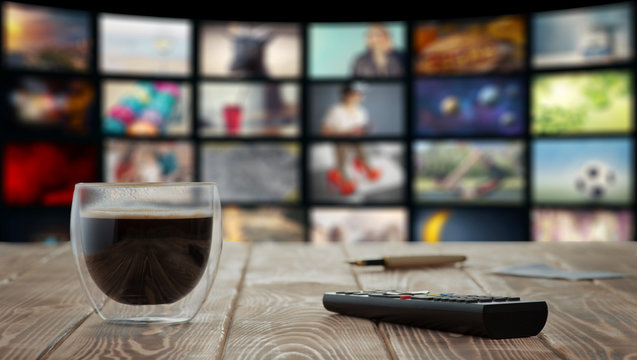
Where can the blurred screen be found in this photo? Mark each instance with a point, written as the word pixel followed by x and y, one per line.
pixel 253 172
pixel 146 108
pixel 249 109
pixel 367 50
pixel 434 225
pixel 470 106
pixel 44 38
pixel 469 171
pixel 591 102
pixel 45 173
pixel 357 172
pixel 357 109
pixel 472 46
pixel 263 223
pixel 50 104
pixel 598 171
pixel 48 226
pixel 358 225
pixel 583 36
pixel 582 225
pixel 148 161
pixel 144 45
pixel 236 49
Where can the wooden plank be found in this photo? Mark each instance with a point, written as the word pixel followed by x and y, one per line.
pixel 17 258
pixel 280 311
pixel 41 306
pixel 585 319
pixel 415 343
pixel 617 257
pixel 201 338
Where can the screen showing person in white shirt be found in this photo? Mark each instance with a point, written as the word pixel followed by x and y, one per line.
pixel 348 117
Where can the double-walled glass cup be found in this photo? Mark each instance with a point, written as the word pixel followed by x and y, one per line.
pixel 146 252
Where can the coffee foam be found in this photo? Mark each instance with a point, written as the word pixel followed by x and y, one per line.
pixel 144 214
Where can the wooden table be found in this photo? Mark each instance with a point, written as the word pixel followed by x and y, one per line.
pixel 266 303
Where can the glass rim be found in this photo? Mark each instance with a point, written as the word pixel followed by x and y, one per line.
pixel 145 184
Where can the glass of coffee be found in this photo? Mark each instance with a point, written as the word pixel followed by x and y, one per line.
pixel 146 252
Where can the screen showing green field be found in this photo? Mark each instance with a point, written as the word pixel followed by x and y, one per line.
pixel 469 171
pixel 582 103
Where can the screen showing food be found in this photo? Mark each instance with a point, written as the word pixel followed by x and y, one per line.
pixel 249 109
pixel 591 102
pixel 50 105
pixel 263 223
pixel 45 173
pixel 583 171
pixel 480 171
pixel 44 38
pixel 470 106
pixel 360 50
pixel 148 161
pixel 146 108
pixel 253 172
pixel 257 50
pixel 144 45
pixel 357 172
pixel 330 224
pixel 582 225
pixel 597 35
pixel 357 109
pixel 471 46
pixel 485 224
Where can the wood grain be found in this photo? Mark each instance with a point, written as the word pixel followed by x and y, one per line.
pixel 617 257
pixel 586 321
pixel 40 307
pixel 415 343
pixel 280 313
pixel 202 338
pixel 17 258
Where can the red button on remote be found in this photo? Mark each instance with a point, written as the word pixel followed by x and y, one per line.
pixel 405 296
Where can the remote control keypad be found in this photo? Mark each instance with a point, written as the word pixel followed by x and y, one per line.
pixel 426 296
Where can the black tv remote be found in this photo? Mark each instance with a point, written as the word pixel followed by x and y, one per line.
pixel 496 317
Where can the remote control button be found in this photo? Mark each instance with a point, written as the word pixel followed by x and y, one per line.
pixel 385 296
pixel 422 297
pixel 405 297
pixel 499 299
pixel 421 292
pixel 513 299
pixel 395 292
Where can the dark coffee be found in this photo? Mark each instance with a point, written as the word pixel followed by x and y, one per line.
pixel 146 260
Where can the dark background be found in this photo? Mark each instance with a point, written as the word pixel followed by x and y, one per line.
pixel 319 10
pixel 306 12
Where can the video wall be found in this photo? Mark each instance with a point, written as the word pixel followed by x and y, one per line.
pixel 512 127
